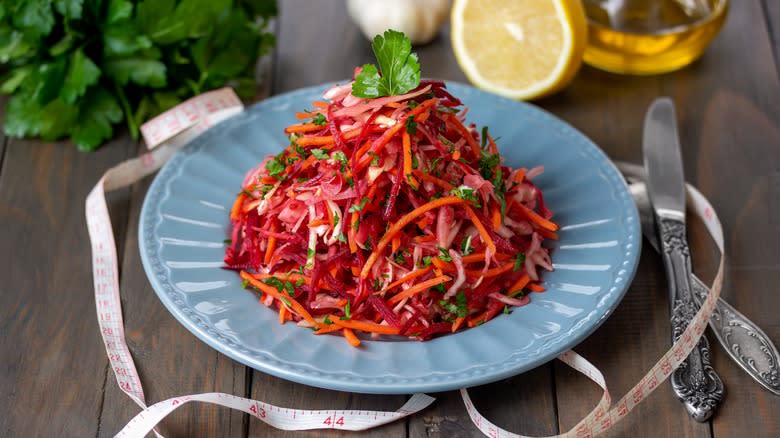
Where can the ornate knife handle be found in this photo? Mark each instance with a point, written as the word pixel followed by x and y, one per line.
pixel 744 341
pixel 694 382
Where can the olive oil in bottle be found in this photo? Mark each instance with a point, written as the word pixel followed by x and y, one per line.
pixel 645 37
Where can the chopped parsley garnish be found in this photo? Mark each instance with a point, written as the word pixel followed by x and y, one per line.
pixel 466 193
pixel 398 65
pixel 487 165
pixel 347 312
pixel 227 241
pixel 427 260
pixel 245 284
pixel 465 246
pixel 320 120
pixel 519 259
pixel 327 320
pixel 336 219
pixel 440 287
pixel 299 282
pixel 400 258
pixel 415 163
pixel 274 167
pixel 358 207
pixel 444 255
pixel 341 158
pixel 374 158
pixel 462 302
pixel 411 126
pixel 341 238
pixel 320 154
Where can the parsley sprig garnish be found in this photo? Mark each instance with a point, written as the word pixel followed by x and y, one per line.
pixel 400 71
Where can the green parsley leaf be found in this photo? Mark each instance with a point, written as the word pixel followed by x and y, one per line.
pixel 82 73
pixel 289 288
pixel 341 158
pixel 227 241
pixel 462 303
pixel 347 312
pixel 320 120
pixel 264 189
pixel 374 158
pixel 466 193
pixel 427 260
pixel 444 255
pixel 415 163
pixel 506 310
pixel 519 260
pixel 327 320
pixel 440 288
pixel 487 165
pixel 274 167
pixel 341 238
pixel 299 282
pixel 245 284
pixel 399 258
pixel 275 282
pixel 320 154
pixel 358 207
pixel 448 306
pixel 411 126
pixel 466 247
pixel 399 67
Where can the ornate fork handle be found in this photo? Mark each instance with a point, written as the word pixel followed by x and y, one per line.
pixel 744 341
pixel 694 382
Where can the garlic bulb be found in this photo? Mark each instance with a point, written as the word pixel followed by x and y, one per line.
pixel 420 20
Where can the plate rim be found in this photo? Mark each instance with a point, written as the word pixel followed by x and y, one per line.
pixel 203 330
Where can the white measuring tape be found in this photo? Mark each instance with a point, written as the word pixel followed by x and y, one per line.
pixel 174 128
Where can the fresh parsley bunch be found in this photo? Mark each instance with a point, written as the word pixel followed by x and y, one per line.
pixel 76 68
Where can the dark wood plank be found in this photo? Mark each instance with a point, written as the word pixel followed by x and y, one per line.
pixel 53 359
pixel 772 14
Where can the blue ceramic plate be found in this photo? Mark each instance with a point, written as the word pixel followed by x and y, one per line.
pixel 184 221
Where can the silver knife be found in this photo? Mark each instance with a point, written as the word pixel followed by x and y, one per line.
pixel 694 382
pixel 742 339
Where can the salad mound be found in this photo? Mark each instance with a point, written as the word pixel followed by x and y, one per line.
pixel 389 214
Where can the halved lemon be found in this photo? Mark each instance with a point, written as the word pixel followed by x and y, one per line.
pixel 521 49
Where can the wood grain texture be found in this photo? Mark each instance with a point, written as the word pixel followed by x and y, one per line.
pixel 772 13
pixel 53 361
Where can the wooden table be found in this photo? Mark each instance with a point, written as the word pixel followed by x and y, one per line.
pixel 53 361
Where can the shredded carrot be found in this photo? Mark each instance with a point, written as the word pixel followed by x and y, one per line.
pixel 327 139
pixel 481 228
pixel 496 218
pixel 419 287
pixel 329 212
pixel 547 234
pixel 520 175
pixel 379 144
pixel 369 327
pixel 304 115
pixel 424 222
pixel 536 287
pixel 492 272
pixel 351 232
pixel 320 104
pixel 396 244
pixel 318 222
pixel 458 322
pixel 534 217
pixel 296 306
pixel 410 276
pixel 436 181
pixel 394 105
pixel 517 288
pixel 349 335
pixel 327 328
pixel 405 220
pixel 424 238
pixel 236 209
pixel 475 149
pixel 269 250
pixel 456 155
pixel 492 143
pixel 304 127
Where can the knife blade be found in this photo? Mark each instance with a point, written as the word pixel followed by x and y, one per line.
pixel 694 382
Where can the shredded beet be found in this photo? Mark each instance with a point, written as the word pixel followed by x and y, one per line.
pixel 390 216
